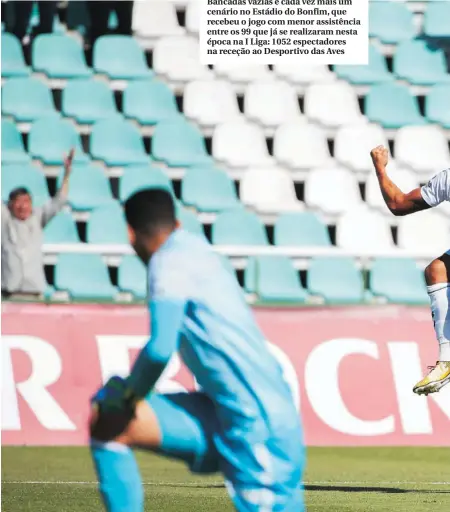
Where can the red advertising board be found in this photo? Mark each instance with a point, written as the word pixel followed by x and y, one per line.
pixel 351 370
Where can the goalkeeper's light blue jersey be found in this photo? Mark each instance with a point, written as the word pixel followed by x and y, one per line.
pixel 219 340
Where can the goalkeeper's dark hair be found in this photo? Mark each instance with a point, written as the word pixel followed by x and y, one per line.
pixel 150 210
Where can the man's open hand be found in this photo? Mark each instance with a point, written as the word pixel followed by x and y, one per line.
pixel 380 157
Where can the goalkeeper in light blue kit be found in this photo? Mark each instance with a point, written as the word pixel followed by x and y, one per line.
pixel 243 423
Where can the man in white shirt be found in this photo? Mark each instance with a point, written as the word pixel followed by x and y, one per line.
pixel 437 274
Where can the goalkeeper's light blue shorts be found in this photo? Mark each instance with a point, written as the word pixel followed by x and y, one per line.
pixel 263 473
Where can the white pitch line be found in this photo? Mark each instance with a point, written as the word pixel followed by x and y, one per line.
pixel 195 484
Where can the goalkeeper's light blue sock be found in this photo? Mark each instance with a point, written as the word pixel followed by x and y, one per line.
pixel 119 478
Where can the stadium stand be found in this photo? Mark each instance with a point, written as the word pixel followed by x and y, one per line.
pixel 241 148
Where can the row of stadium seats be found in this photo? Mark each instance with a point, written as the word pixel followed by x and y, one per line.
pixel 271 278
pixel 60 56
pixel 297 145
pixel 359 229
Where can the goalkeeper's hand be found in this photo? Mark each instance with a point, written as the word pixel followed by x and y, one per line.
pixel 113 408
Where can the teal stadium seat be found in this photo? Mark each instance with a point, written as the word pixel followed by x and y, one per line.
pixel 337 280
pixel 83 276
pixel 61 230
pixel 28 176
pixel 88 101
pixel 375 72
pixel 390 22
pixel 106 225
pixel 27 99
pixel 436 24
pixel 393 106
pixel 227 264
pixel 13 150
pixel 179 143
pixel 51 138
pixel 238 227
pixel 149 102
pixel 89 188
pixel 303 229
pixel 398 280
pixel 59 56
pixel 208 189
pixel 274 279
pixel 117 143
pixel 437 105
pixel 420 64
pixel 189 221
pixel 136 178
pixel 13 62
pixel 132 277
pixel 120 58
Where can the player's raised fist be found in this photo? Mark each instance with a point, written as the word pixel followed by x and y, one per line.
pixel 380 156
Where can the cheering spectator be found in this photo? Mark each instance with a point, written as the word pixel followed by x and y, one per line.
pixel 22 259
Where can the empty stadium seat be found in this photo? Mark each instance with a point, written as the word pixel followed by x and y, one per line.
pixel 437 105
pixel 193 17
pixel 333 104
pixel 61 230
pixel 353 144
pixel 28 176
pixel 303 74
pixel 427 229
pixel 132 277
pixel 13 151
pixel 227 264
pixel 322 184
pixel 208 189
pixel 13 62
pixel 88 101
pixel 423 148
pixel 405 179
pixel 271 102
pixel 392 106
pixel 89 188
pixel 210 102
pixel 241 73
pixel 391 22
pixel 375 72
pixel 238 227
pixel 155 19
pixel 149 102
pixel 51 138
pixel 176 58
pixel 59 56
pixel 337 280
pixel 189 222
pixel 362 229
pixel 179 143
pixel 120 58
pixel 302 229
pixel 398 280
pixel 274 279
pixel 301 145
pixel 269 190
pixel 117 143
pixel 436 19
pixel 136 178
pixel 27 99
pixel 240 144
pixel 420 63
pixel 83 276
pixel 107 225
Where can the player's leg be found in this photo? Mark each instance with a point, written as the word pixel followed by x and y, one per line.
pixel 179 425
pixel 437 276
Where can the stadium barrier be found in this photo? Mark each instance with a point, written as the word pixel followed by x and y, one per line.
pixel 351 370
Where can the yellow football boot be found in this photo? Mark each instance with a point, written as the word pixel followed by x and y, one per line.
pixel 437 378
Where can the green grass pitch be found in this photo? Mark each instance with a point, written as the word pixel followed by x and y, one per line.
pixel 337 479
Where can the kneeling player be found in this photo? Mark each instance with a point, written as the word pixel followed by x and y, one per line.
pixel 243 423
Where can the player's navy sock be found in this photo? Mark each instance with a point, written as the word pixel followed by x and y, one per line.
pixel 119 478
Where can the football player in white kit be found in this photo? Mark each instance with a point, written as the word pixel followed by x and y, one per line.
pixel 437 274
